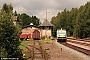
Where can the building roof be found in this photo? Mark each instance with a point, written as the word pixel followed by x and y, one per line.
pixel 46 23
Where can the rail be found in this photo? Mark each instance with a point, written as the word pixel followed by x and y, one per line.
pixel 82 50
pixel 40 49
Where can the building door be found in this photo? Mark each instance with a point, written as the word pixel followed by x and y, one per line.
pixel 36 34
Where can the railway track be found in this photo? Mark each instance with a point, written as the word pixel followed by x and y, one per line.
pixel 83 42
pixel 82 50
pixel 85 39
pixel 37 51
pixel 79 42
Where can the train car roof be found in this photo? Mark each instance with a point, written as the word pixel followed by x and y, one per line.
pixel 61 29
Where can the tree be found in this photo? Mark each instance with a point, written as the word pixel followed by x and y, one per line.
pixel 35 20
pixel 7 8
pixel 26 20
pixel 76 21
pixel 9 33
pixel 76 32
pixel 15 13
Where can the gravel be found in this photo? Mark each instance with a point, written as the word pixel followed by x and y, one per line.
pixel 60 52
pixel 73 52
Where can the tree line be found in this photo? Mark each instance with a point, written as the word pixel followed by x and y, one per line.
pixel 76 21
pixel 24 19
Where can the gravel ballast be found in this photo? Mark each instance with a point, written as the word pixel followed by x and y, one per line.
pixel 61 52
pixel 73 52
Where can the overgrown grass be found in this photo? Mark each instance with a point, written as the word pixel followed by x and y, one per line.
pixel 42 38
pixel 48 41
pixel 28 54
pixel 24 43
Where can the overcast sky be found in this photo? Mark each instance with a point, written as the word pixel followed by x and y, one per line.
pixel 39 7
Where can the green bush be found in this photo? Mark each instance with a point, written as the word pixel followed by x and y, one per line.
pixel 43 37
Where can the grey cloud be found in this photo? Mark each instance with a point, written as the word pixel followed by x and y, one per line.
pixel 32 4
pixel 44 4
pixel 70 3
pixel 35 7
pixel 32 12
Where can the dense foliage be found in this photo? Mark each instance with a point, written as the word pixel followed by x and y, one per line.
pixel 76 21
pixel 25 20
pixel 9 33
